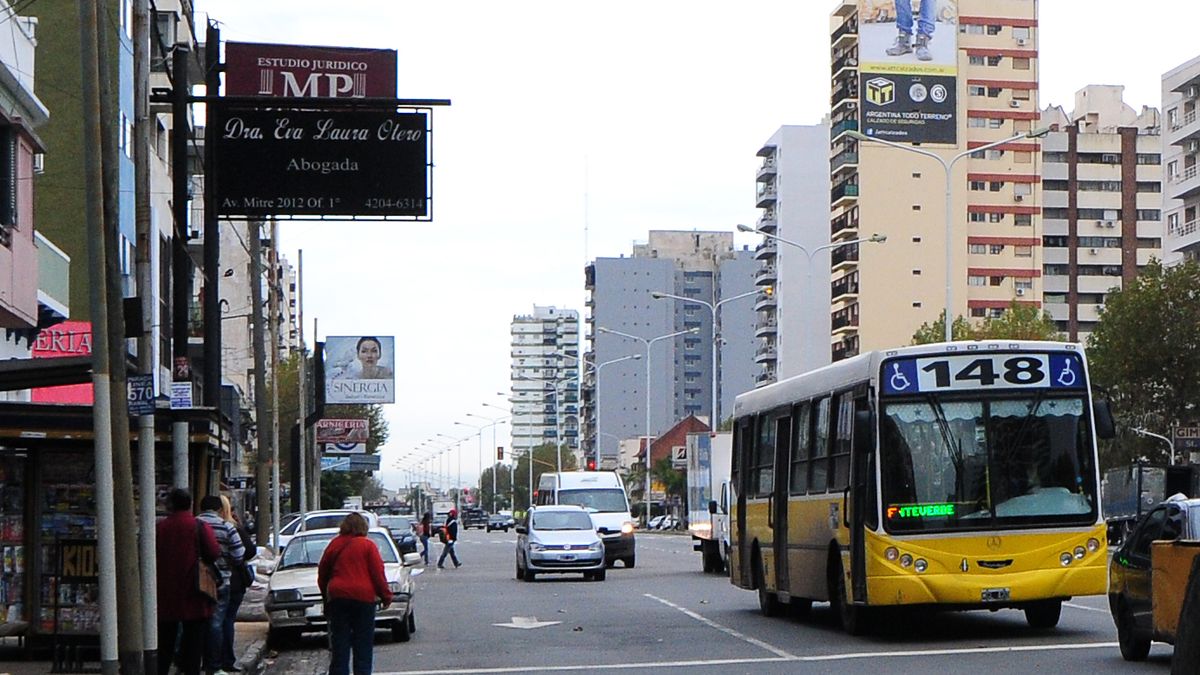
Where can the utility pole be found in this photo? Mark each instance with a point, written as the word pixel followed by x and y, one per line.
pixel 261 470
pixel 212 230
pixel 302 457
pixel 147 541
pixel 273 294
pixel 314 456
pixel 101 383
pixel 129 584
pixel 181 262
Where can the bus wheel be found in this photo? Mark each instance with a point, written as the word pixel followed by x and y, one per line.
pixel 768 602
pixel 854 619
pixel 1043 614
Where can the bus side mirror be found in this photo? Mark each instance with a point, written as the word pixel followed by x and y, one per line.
pixel 863 430
pixel 1105 427
pixel 712 507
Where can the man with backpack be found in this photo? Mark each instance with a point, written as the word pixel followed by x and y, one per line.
pixel 449 536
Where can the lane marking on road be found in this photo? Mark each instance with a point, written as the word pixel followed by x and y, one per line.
pixel 724 629
pixel 1085 608
pixel 751 661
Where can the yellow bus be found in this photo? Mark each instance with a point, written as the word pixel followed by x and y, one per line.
pixel 957 475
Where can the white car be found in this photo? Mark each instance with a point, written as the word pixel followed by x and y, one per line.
pixel 558 539
pixel 320 520
pixel 294 604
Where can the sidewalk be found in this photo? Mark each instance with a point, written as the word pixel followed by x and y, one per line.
pixel 250 642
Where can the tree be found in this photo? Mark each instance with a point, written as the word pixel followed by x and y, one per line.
pixel 1145 355
pixel 936 332
pixel 503 486
pixel 543 462
pixel 673 480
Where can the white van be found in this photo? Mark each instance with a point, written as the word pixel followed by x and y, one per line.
pixel 601 494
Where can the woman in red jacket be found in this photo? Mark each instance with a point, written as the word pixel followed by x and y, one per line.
pixel 351 580
pixel 183 612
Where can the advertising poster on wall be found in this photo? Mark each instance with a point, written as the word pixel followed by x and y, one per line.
pixel 360 369
pixel 908 56
pixel 69 338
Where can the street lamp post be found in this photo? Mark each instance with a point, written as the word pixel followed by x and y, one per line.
pixel 596 369
pixel 714 411
pixel 648 342
pixel 874 238
pixel 479 435
pixel 493 421
pixel 1170 444
pixel 947 166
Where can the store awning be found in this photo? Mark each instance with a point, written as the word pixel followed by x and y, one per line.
pixel 17 374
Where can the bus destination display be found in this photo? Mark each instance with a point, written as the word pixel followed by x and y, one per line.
pixel 919 374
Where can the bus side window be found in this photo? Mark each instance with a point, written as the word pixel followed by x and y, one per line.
pixel 763 479
pixel 741 441
pixel 839 471
pixel 801 433
pixel 818 480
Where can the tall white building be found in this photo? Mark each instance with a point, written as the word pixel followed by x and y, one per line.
pixel 1180 149
pixel 545 379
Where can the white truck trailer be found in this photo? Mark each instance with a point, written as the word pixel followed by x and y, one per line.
pixel 708 464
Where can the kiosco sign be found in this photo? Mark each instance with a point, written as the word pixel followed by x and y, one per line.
pixel 353 162
pixel 303 71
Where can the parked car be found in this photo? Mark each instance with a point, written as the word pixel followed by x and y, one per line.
pixel 402 531
pixel 498 521
pixel 320 520
pixel 557 539
pixel 474 517
pixel 664 522
pixel 294 603
pixel 1130 580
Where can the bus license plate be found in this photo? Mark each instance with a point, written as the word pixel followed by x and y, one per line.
pixel 995 595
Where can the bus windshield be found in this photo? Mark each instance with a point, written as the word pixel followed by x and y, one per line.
pixel 1024 461
pixel 602 500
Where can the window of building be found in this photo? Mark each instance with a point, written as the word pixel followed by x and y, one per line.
pixel 976 90
pixel 995 312
pixel 1172 169
pixel 1020 63
pixel 1023 284
pixel 978 312
pixel 975 60
pixel 995 217
pixel 977 122
pixel 975 280
pixel 1021 32
pixel 1172 222
pixel 1022 219
pixel 971 28
pixel 1022 126
pixel 1054 241
pixel 994 60
pixel 996 186
pixel 995 123
pixel 996 249
pixel 1149 186
pixel 993 29
pixel 1023 189
pixel 977 217
pixel 995 153
pixel 916 273
pixel 994 92
pixel 1020 94
pixel 8 184
pixel 916 207
pixel 978 185
pixel 1152 215
pixel 995 281
pixel 1173 117
pixel 1149 158
pixel 1021 157
pixel 977 249
pixel 1023 251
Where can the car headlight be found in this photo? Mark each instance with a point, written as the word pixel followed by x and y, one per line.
pixel 533 546
pixel 286 595
pixel 595 546
pixel 395 587
pixel 627 528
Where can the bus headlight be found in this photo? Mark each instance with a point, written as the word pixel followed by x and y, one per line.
pixel 1079 552
pixel 906 560
pixel 1065 559
pixel 920 565
pixel 627 528
pixel 1093 545
pixel 891 554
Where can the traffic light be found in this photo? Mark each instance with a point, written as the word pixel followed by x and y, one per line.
pixel 500 453
pixel 591 465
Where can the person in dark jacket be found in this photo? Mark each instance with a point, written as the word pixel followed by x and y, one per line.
pixel 183 611
pixel 351 579
pixel 425 530
pixel 449 537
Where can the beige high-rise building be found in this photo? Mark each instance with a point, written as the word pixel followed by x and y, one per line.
pixel 888 290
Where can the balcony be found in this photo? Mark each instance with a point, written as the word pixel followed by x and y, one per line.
pixel 766 250
pixel 842 192
pixel 766 328
pixel 767 221
pixel 845 224
pixel 766 195
pixel 846 348
pixel 846 91
pixel 844 287
pixel 1186 183
pixel 765 353
pixel 842 127
pixel 844 319
pixel 848 61
pixel 848 157
pixel 767 170
pixel 845 33
pixel 53 280
pixel 765 276
pixel 843 255
pixel 764 301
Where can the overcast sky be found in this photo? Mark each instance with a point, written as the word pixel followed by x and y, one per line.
pixel 611 118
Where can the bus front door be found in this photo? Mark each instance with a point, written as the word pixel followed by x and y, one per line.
pixel 779 506
pixel 862 510
pixel 739 560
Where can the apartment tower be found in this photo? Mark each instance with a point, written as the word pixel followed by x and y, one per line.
pixel 545 379
pixel 1180 149
pixel 1102 217
pixel 979 87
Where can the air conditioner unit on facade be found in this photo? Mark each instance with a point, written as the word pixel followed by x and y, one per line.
pixel 1021 41
pixel 39 163
pixel 1094 251
pixel 1014 104
pixel 1020 291
pixel 1109 224
pixel 1019 198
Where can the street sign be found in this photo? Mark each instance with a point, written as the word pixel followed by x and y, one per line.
pixel 240 482
pixel 1187 438
pixel 344 448
pixel 335 463
pixel 350 463
pixel 141 394
pixel 679 456
pixel 181 395
pixel 342 431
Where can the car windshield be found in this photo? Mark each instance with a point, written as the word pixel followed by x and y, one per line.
pixel 397 524
pixel 978 464
pixel 306 551
pixel 561 520
pixel 603 500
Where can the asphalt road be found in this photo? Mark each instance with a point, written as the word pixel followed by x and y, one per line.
pixel 666 614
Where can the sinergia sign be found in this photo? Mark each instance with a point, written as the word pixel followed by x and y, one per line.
pixel 336 162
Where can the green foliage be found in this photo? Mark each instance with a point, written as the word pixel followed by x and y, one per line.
pixel 674 480
pixel 1018 322
pixel 1145 355
pixel 504 478
pixel 543 462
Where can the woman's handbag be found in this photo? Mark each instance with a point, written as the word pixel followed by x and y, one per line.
pixel 208 577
